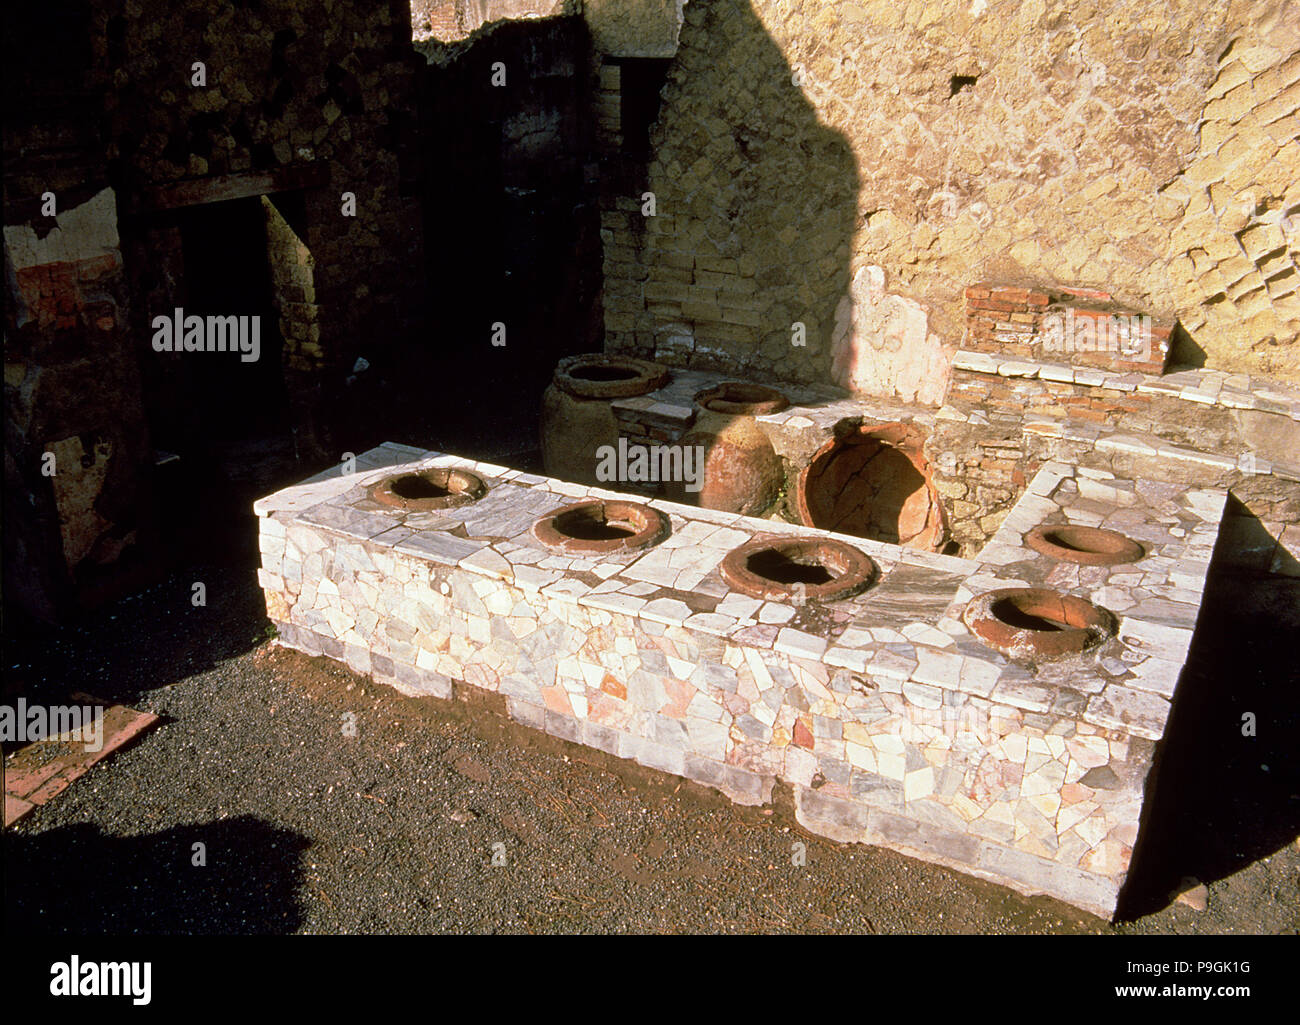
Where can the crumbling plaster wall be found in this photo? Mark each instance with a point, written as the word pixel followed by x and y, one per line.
pixel 103 111
pixel 1146 148
pixel 634 28
pixel 77 452
pixel 453 20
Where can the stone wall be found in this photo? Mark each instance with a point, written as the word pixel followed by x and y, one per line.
pixel 634 28
pixel 452 20
pixel 293 284
pixel 329 90
pixel 853 167
pixel 1005 417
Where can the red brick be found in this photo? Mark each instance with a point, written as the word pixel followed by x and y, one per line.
pixel 1087 293
pixel 97 267
pixel 1081 312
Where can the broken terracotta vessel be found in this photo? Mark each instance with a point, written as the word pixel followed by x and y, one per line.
pixel 874 481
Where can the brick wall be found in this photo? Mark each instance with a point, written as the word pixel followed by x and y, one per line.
pixel 436 19
pixel 1235 209
pixel 1081 327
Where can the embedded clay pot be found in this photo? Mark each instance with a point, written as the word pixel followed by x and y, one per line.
pixel 740 398
pixel 602 527
pixel 1087 546
pixel 439 487
pixel 797 569
pixel 577 418
pixel 1037 624
pixel 874 481
pixel 742 472
pixel 595 375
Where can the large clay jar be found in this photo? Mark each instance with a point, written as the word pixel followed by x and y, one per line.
pixel 874 481
pixel 577 415
pixel 742 472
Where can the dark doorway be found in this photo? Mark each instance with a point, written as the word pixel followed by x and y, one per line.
pixel 512 238
pixel 641 81
pixel 228 421
pixel 227 274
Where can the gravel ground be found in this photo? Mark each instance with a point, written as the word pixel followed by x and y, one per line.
pixel 306 829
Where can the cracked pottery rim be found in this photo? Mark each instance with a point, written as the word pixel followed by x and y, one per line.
pixel 992 617
pixel 856 570
pixel 462 487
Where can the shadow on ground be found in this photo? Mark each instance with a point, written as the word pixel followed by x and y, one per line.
pixel 1224 798
pixel 77 879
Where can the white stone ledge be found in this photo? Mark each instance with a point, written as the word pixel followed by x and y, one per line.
pixel 1208 387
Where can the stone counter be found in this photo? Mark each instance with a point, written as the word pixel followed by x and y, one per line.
pixel 890 721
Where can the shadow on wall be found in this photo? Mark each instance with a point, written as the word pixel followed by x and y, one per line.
pixel 746 259
pixel 76 879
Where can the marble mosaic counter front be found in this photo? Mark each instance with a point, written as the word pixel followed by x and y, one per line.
pixel 890 721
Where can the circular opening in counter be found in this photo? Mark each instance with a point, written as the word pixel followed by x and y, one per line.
pixel 603 373
pixel 1088 546
pixel 428 490
pixel 739 398
pixel 1037 624
pixel 797 569
pixel 602 527
pixel 598 376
